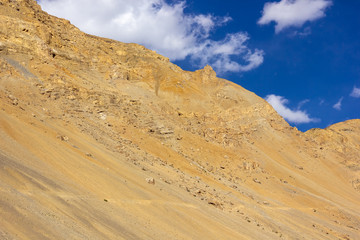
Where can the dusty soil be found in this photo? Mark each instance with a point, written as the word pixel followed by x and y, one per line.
pixel 105 140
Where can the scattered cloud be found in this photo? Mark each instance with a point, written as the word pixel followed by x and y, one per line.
pixel 302 103
pixel 219 53
pixel 293 13
pixel 355 92
pixel 301 34
pixel 295 116
pixel 163 27
pixel 337 105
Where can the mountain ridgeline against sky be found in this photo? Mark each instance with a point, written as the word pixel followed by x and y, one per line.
pixel 105 140
pixel 300 55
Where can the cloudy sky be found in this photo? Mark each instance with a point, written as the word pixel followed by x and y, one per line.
pixel 302 56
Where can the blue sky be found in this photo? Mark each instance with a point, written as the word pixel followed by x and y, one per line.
pixel 303 56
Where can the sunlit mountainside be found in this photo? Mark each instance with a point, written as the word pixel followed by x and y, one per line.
pixel 105 140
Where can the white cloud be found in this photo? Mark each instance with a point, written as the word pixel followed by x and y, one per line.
pixel 302 103
pixel 337 105
pixel 294 116
pixel 219 53
pixel 162 27
pixel 301 34
pixel 355 92
pixel 287 13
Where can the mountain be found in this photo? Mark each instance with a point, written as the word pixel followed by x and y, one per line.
pixel 105 140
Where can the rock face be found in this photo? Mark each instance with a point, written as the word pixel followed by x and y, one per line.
pixel 85 119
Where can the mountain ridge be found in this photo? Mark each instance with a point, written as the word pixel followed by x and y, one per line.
pixel 85 121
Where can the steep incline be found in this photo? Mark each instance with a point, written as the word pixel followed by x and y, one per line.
pixel 87 122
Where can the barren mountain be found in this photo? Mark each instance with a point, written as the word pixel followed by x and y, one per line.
pixel 105 140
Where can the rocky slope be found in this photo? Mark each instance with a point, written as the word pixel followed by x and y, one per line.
pixel 106 140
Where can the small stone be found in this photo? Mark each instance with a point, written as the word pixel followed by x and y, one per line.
pixel 246 166
pixel 300 167
pixel 63 138
pixel 150 180
pixel 255 165
pixel 14 100
pixel 71 97
pixel 257 180
pixel 11 97
pixel 102 116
